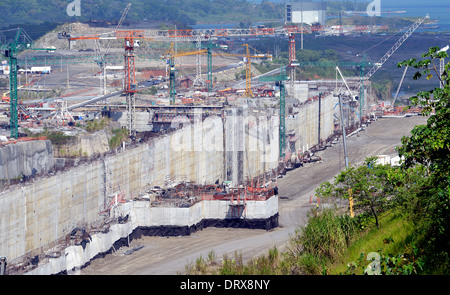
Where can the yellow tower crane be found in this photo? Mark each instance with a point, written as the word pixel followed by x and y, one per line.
pixel 169 55
pixel 248 66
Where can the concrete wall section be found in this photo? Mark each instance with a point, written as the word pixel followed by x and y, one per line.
pixel 22 158
pixel 142 215
pixel 33 217
pixel 305 123
pixel 251 144
pixel 41 213
pixel 236 147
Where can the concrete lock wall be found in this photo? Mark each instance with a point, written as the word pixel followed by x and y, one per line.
pixel 251 144
pixel 17 160
pixel 143 215
pixel 236 146
pixel 305 124
pixel 35 216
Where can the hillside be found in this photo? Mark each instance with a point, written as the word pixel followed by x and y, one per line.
pixel 183 11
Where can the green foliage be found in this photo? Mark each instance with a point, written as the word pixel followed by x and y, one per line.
pixel 382 89
pixel 429 144
pixel 323 240
pixel 120 135
pixel 418 191
pixel 96 125
pixel 240 75
pixel 381 263
pixel 56 137
pixel 265 67
pixel 180 12
pixel 369 185
pixel 263 265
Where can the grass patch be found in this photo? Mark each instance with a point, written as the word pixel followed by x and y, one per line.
pixel 322 241
pixel 96 125
pixel 332 244
pixel 394 237
pixel 119 136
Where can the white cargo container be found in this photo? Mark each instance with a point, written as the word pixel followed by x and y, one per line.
pixel 41 70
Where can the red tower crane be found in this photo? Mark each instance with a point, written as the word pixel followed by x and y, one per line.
pixel 131 41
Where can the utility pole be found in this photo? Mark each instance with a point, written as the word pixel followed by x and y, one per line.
pixel 318 129
pixel 343 130
pixel 339 95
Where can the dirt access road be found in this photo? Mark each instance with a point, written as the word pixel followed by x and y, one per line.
pixel 161 255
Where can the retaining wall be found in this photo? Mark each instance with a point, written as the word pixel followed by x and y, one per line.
pixel 305 123
pixel 169 221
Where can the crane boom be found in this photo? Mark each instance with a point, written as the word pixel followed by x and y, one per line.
pixel 118 26
pixel 393 49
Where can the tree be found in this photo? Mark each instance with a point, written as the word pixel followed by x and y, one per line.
pixel 429 145
pixel 369 185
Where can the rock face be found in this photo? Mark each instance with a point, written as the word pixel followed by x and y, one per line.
pixel 85 145
pixel 25 158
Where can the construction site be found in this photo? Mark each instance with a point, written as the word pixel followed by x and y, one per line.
pixel 109 135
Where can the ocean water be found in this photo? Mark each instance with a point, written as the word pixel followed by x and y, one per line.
pixel 438 10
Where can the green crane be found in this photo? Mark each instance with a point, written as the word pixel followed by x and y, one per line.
pixel 209 46
pixel 21 42
pixel 279 81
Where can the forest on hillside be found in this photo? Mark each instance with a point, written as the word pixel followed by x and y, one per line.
pixel 186 11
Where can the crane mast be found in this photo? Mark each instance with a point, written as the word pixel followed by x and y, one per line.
pixel 11 50
pixel 101 58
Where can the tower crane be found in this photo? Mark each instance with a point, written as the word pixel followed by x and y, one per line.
pixel 170 56
pixel 131 40
pixel 197 35
pixel 360 87
pixel 247 60
pixel 293 63
pixel 21 42
pixel 100 59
